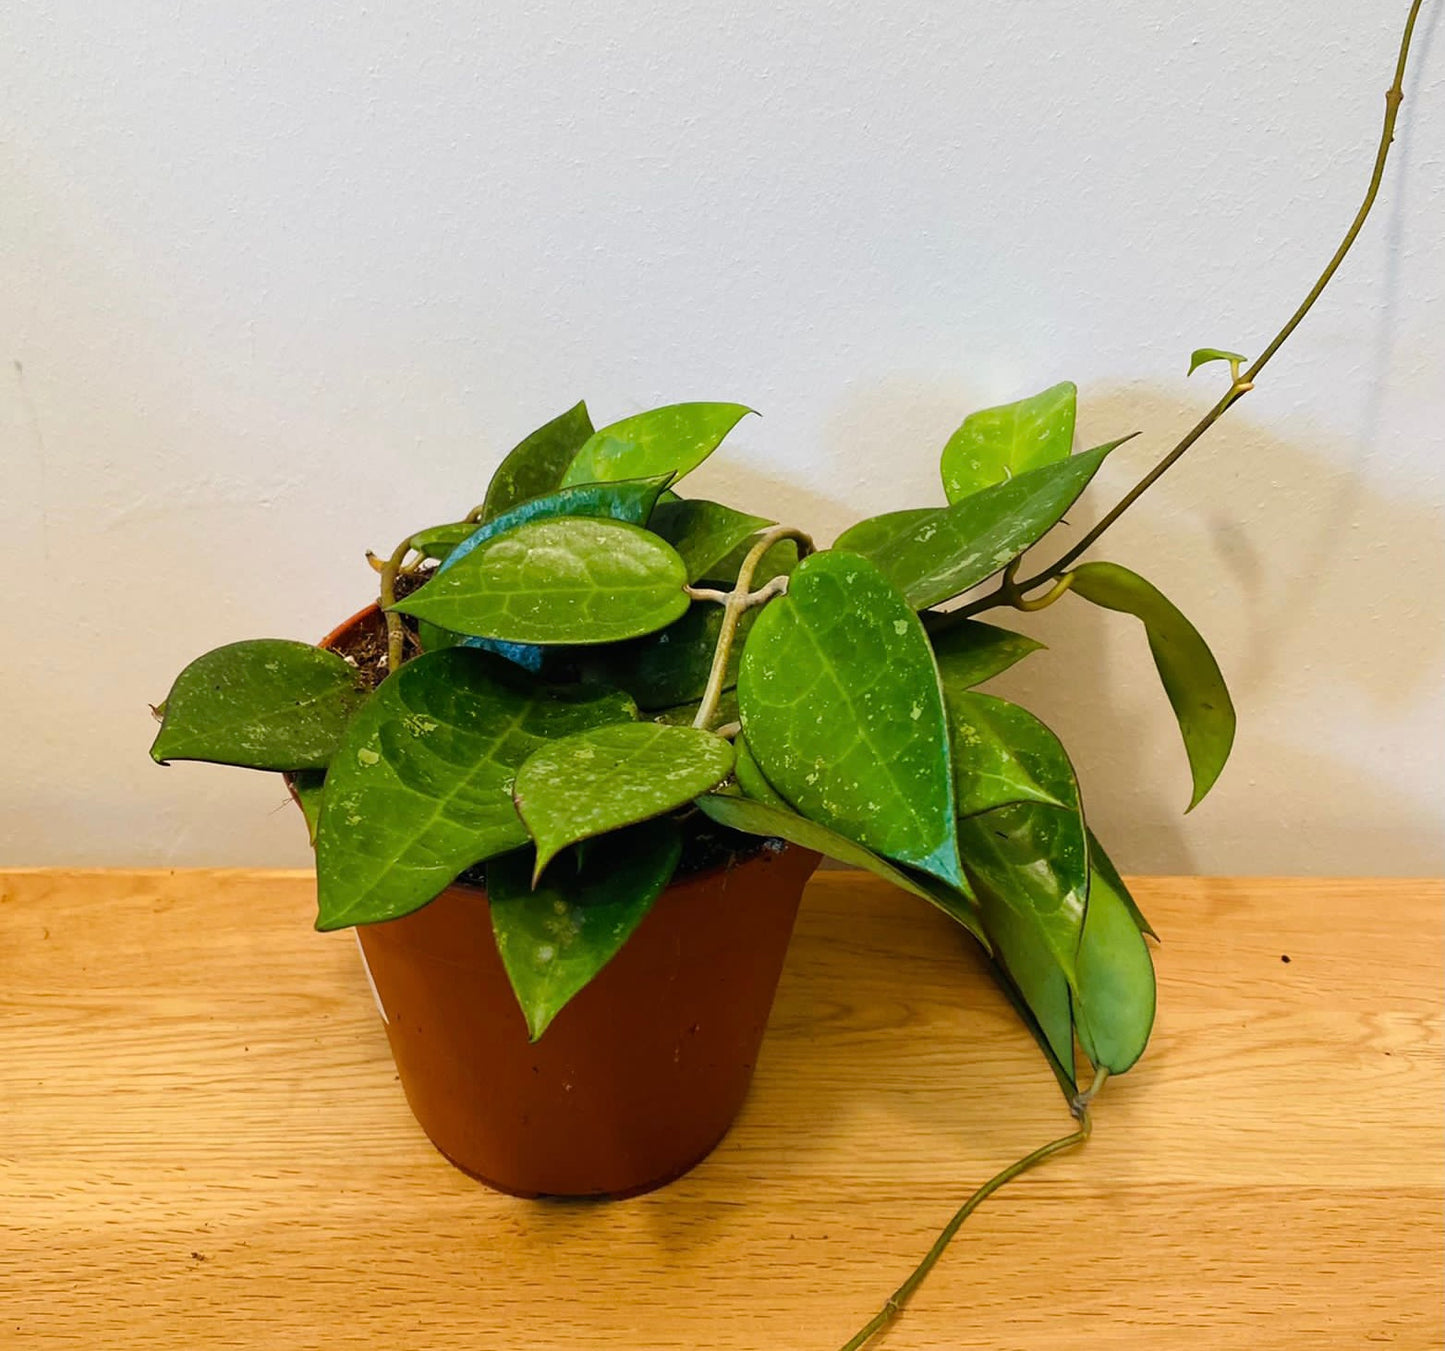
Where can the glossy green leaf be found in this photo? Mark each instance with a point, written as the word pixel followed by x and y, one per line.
pixel 439 540
pixel 1063 1070
pixel 970 652
pixel 751 778
pixel 306 785
pixel 1036 860
pixel 537 465
pixel 432 638
pixel 671 666
pixel 703 533
pixel 1104 866
pixel 935 555
pixel 1191 676
pixel 1003 754
pixel 783 823
pixel 265 704
pixel 420 787
pixel 779 561
pixel 670 440
pixel 842 708
pixel 1029 962
pixel 598 780
pixel 1114 997
pixel 576 580
pixel 997 444
pixel 631 501
pixel 1203 355
pixel 555 939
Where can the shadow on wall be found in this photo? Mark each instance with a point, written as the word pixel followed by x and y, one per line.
pixel 1317 592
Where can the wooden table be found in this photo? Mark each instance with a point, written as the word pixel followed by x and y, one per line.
pixel 203 1143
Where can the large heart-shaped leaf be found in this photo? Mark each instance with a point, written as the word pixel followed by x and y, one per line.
pixel 265 704
pixel 599 780
pixel 997 444
pixel 970 652
pixel 1113 999
pixel 573 580
pixel 703 533
pixel 420 787
pixel 934 555
pixel 555 939
pixel 780 821
pixel 670 440
pixel 537 464
pixel 842 708
pixel 1035 859
pixel 1003 754
pixel 1191 676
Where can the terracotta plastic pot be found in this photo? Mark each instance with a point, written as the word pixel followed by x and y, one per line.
pixel 637 1079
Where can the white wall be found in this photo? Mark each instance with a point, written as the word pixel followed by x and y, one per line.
pixel 282 281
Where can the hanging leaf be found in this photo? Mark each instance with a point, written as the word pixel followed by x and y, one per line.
pixel 575 580
pixel 935 555
pixel 599 780
pixel 306 786
pixel 703 533
pixel 1003 754
pixel 554 940
pixel 781 822
pixel 537 465
pixel 420 786
pixel 841 706
pixel 1190 674
pixel 1036 860
pixel 1114 998
pixel 265 704
pixel 997 444
pixel 1103 865
pixel 751 778
pixel 670 440
pixel 1203 355
pixel 970 652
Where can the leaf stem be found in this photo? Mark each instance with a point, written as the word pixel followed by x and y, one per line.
pixel 395 632
pixel 735 603
pixel 1241 384
pixel 893 1306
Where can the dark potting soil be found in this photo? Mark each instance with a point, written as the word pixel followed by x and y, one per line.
pixel 705 844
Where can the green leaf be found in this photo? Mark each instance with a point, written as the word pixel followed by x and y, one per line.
pixel 306 785
pixel 1029 963
pixel 781 822
pixel 671 667
pixel 537 465
pixel 751 778
pixel 934 555
pixel 1104 866
pixel 997 444
pixel 265 704
pixel 779 561
pixel 420 788
pixel 598 780
pixel 971 652
pixel 1191 676
pixel 1063 1070
pixel 439 540
pixel 842 708
pixel 1203 355
pixel 703 533
pixel 670 440
pixel 1114 998
pixel 555 939
pixel 574 580
pixel 1035 859
pixel 1003 754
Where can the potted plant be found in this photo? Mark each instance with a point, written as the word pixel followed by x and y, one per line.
pixel 568 775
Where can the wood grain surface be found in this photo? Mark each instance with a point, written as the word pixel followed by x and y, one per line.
pixel 203 1143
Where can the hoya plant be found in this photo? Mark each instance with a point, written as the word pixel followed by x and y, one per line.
pixel 592 666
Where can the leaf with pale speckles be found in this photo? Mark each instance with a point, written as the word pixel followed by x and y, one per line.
pixel 264 704
pixel 570 580
pixel 420 787
pixel 554 940
pixel 537 464
pixel 1003 754
pixel 997 444
pixel 842 708
pixel 598 780
pixel 671 440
